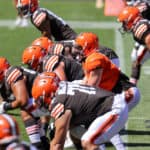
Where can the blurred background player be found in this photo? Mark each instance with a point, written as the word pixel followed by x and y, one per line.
pixel 50 25
pixel 140 53
pixel 135 2
pixel 20 20
pixel 16 83
pixel 10 136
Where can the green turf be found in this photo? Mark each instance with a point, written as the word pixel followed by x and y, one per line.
pixel 14 41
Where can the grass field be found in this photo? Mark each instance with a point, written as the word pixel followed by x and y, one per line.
pixel 14 40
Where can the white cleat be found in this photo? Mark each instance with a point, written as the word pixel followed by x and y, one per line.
pixel 18 21
pixel 24 22
pixel 68 142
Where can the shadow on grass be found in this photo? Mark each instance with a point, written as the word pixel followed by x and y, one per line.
pixel 132 144
pixel 134 132
pixel 137 144
pixel 14 113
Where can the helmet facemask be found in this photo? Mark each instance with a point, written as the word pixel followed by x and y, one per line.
pixel 124 29
pixel 25 9
pixel 128 17
pixel 43 101
pixel 44 88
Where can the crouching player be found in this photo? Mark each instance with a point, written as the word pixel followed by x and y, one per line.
pixel 72 104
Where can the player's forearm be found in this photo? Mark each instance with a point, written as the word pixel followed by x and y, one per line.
pixel 56 146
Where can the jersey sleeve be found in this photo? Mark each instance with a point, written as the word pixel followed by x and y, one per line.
pixel 13 75
pixel 57 111
pixel 41 22
pixel 141 31
pixel 50 63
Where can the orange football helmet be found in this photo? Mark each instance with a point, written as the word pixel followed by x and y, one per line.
pixel 33 55
pixel 44 88
pixel 88 41
pixel 9 129
pixel 26 7
pixel 43 42
pixel 128 17
pixel 4 65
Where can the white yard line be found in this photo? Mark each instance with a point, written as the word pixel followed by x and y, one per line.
pixel 120 49
pixel 146 70
pixel 74 24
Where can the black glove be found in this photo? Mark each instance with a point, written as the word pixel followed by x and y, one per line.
pixel 51 130
pixel 45 142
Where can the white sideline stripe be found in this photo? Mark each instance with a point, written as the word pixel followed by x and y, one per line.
pixel 146 70
pixel 93 25
pixel 138 118
pixel 120 49
pixel 74 24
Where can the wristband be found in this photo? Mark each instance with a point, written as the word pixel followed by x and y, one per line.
pixel 7 106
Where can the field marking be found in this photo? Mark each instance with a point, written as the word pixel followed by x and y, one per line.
pixel 146 70
pixel 138 118
pixel 120 49
pixel 74 24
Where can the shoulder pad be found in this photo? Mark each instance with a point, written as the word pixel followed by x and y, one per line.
pixel 13 74
pixel 50 63
pixel 57 111
pixel 38 17
pixel 141 28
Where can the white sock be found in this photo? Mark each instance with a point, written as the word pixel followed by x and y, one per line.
pixel 102 147
pixel 117 142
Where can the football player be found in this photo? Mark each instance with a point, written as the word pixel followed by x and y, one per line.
pixel 10 136
pixel 72 104
pixel 50 25
pixel 20 20
pixel 140 52
pixel 102 73
pixel 16 83
pixel 93 45
pixel 99 70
